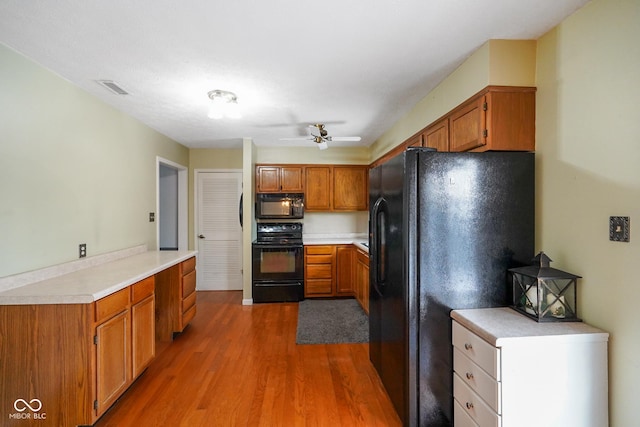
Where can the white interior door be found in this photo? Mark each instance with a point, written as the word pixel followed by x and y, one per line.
pixel 219 231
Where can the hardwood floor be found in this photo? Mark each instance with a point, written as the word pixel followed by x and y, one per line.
pixel 240 366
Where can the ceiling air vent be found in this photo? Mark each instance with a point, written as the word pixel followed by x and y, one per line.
pixel 113 87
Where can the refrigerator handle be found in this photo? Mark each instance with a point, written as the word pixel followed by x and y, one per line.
pixel 379 243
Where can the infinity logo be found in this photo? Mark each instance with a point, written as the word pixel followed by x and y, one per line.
pixel 37 405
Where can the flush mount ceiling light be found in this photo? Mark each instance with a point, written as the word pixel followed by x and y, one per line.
pixel 223 104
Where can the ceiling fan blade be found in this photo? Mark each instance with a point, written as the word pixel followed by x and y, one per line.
pixel 301 138
pixel 345 138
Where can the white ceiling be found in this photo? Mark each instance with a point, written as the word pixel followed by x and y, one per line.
pixel 356 65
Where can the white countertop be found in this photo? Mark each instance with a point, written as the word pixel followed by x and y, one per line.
pixel 92 283
pixel 357 239
pixel 497 325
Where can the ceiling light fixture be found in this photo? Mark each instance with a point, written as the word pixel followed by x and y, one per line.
pixel 223 104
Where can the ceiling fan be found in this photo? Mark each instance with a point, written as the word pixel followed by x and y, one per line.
pixel 322 138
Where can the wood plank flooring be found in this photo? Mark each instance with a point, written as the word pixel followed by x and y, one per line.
pixel 240 366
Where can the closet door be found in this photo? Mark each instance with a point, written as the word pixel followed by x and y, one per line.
pixel 219 231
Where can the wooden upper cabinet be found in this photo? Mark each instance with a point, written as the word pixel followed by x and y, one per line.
pixel 291 179
pixel 415 141
pixel 279 179
pixel 468 126
pixel 350 191
pixel 318 188
pixel 501 119
pixel 436 135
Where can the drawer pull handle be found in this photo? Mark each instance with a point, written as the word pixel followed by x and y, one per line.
pixel 469 405
pixel 469 375
pixel 468 346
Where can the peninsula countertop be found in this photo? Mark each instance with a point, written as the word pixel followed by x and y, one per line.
pixel 92 283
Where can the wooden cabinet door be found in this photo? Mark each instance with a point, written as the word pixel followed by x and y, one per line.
pixel 345 270
pixel 112 360
pixel 467 126
pixel 437 135
pixel 268 179
pixel 510 120
pixel 350 191
pixel 317 188
pixel 415 141
pixel 143 334
pixel 291 179
pixel 362 279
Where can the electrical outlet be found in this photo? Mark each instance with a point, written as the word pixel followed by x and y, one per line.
pixel 619 228
pixel 152 216
pixel 82 250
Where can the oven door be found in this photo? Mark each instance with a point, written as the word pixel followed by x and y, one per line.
pixel 277 262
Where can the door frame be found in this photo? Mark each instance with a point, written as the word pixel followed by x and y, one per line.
pixel 195 208
pixel 183 202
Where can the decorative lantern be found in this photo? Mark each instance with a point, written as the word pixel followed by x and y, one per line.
pixel 544 293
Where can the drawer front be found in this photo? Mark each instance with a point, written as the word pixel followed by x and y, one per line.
pixel 188 266
pixel 189 302
pixel 461 418
pixel 188 284
pixel 142 289
pixel 319 259
pixel 473 405
pixel 187 317
pixel 478 380
pixel 319 271
pixel 318 287
pixel 478 350
pixel 113 304
pixel 318 250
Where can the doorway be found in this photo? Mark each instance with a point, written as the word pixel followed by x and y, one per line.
pixel 171 205
pixel 218 229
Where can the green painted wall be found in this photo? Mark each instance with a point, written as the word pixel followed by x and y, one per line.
pixel 588 168
pixel 72 170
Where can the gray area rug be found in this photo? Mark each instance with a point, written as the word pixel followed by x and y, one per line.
pixel 331 322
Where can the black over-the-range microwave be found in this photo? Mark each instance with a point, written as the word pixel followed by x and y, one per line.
pixel 279 205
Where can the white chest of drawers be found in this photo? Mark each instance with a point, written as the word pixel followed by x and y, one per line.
pixel 511 371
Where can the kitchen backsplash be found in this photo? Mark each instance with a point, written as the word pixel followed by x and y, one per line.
pixel 336 222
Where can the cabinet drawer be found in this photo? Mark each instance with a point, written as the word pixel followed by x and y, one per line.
pixel 318 287
pixel 477 379
pixel 319 271
pixel 461 418
pixel 319 259
pixel 478 350
pixel 188 266
pixel 189 302
pixel 188 316
pixel 188 284
pixel 142 289
pixel 113 304
pixel 473 405
pixel 319 250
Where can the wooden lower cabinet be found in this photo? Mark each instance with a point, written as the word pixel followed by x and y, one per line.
pixel 78 359
pixel 330 271
pixel 175 299
pixel 345 272
pixel 143 336
pixel 362 279
pixel 112 360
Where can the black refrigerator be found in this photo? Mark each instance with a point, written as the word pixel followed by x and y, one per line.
pixel 444 229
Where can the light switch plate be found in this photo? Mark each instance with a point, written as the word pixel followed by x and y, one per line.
pixel 619 228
